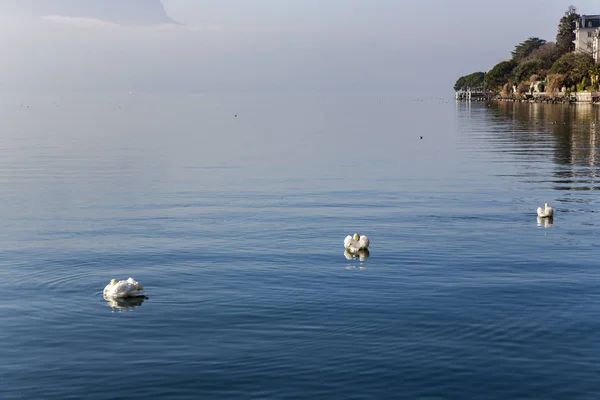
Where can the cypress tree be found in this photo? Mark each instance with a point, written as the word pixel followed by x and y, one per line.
pixel 566 31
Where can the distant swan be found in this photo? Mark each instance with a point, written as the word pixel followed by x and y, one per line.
pixel 546 212
pixel 127 288
pixel 355 243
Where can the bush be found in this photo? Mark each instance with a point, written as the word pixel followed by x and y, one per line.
pixel 522 89
pixel 574 66
pixel 507 90
pixel 584 84
pixel 555 83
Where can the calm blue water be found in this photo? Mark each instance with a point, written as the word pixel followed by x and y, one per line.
pixel 234 225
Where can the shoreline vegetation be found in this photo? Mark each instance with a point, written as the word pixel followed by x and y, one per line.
pixel 539 71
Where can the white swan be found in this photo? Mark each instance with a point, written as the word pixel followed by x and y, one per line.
pixel 128 288
pixel 355 243
pixel 546 212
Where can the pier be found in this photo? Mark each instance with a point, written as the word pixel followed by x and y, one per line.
pixel 475 94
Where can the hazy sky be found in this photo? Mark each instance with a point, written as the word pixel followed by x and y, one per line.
pixel 229 45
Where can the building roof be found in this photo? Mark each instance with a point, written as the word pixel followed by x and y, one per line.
pixel 588 21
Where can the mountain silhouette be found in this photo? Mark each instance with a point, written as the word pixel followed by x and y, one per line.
pixel 137 12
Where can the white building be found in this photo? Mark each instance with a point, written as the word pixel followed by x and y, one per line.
pixel 587 35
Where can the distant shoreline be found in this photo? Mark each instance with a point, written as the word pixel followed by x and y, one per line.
pixel 560 98
pixel 564 71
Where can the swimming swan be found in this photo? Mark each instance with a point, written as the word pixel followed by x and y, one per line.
pixel 546 212
pixel 128 288
pixel 355 243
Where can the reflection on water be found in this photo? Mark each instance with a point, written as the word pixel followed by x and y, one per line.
pixel 566 134
pixel 125 303
pixel 545 222
pixel 361 254
pixel 465 296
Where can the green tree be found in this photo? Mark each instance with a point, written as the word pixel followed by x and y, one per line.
pixel 469 81
pixel 525 48
pixel 565 36
pixel 527 68
pixel 575 67
pixel 499 74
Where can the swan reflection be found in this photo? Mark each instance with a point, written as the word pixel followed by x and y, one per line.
pixel 124 303
pixel 545 222
pixel 361 254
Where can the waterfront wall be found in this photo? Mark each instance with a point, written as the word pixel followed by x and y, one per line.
pixel 544 97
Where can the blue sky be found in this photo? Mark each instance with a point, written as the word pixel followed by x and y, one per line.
pixel 282 45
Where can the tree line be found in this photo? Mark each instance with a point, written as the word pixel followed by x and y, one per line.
pixel 551 65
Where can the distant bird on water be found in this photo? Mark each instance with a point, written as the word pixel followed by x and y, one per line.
pixel 126 288
pixel 356 243
pixel 546 212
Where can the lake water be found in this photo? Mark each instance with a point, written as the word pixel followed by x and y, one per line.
pixel 231 210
